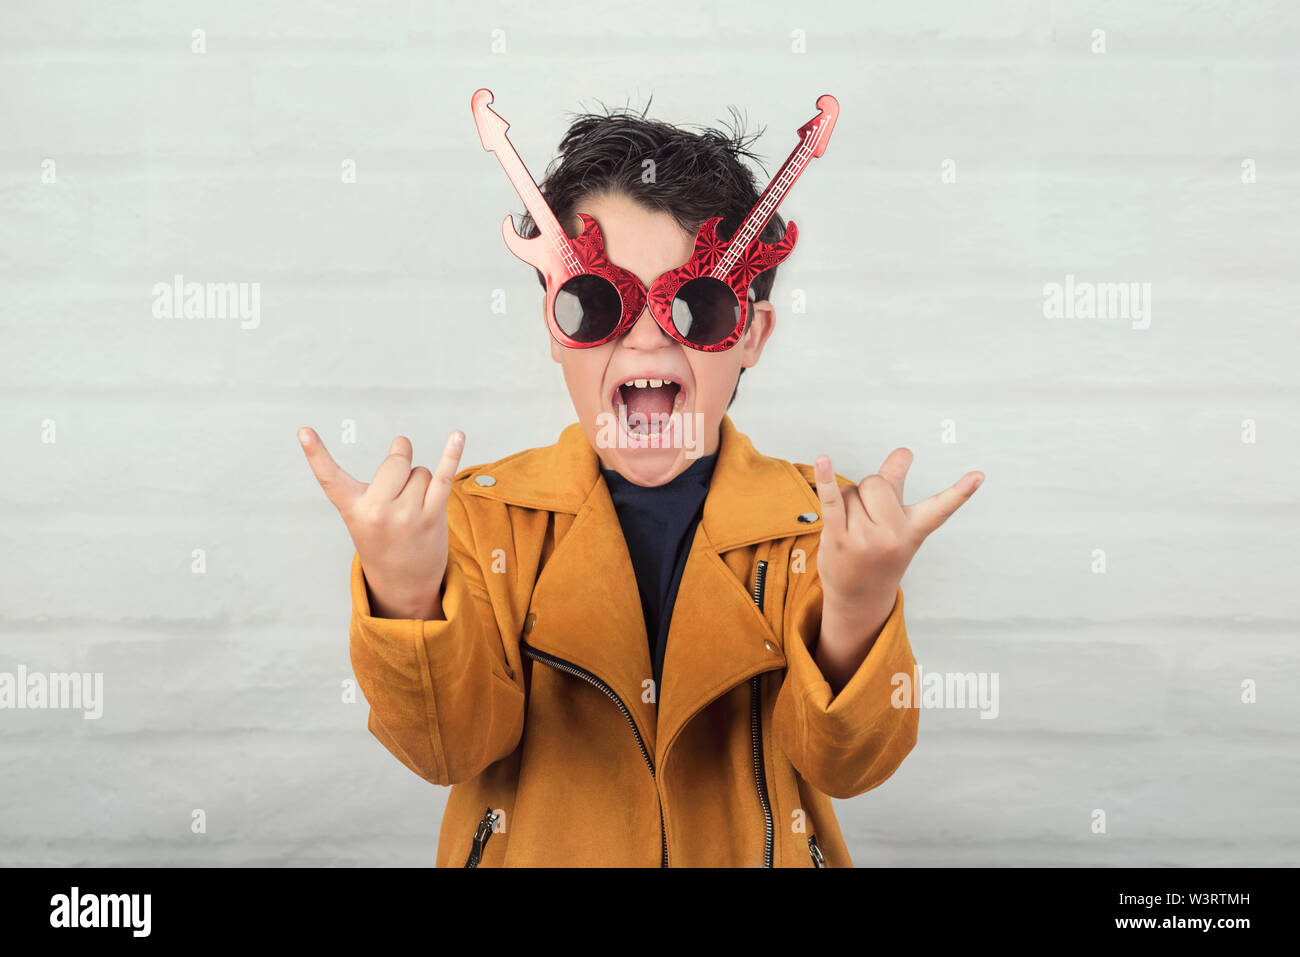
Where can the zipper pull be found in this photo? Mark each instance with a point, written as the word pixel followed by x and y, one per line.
pixel 481 835
pixel 485 827
pixel 815 852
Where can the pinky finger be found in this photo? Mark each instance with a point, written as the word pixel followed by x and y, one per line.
pixel 445 472
pixel 834 510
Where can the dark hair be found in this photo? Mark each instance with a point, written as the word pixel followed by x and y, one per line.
pixel 696 176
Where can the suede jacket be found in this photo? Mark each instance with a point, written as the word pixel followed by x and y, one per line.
pixel 535 702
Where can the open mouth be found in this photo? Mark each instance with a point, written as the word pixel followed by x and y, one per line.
pixel 648 405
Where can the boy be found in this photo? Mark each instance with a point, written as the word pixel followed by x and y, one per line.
pixel 632 652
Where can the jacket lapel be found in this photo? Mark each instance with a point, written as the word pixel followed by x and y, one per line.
pixel 585 601
pixel 718 638
pixel 585 606
pixel 588 609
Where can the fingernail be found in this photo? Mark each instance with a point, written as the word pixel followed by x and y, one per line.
pixel 978 482
pixel 303 436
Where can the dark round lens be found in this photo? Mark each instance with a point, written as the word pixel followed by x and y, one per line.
pixel 588 308
pixel 705 311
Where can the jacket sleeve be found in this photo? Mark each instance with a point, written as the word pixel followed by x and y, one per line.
pixel 442 697
pixel 851 742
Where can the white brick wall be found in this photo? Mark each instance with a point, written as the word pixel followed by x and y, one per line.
pixel 1118 691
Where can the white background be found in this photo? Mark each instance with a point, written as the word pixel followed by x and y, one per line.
pixel 1119 691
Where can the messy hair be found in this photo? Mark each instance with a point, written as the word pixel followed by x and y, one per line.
pixel 697 175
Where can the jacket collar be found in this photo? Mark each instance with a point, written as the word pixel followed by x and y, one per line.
pixel 752 497
pixel 581 612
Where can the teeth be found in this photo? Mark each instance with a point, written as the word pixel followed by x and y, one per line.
pixel 646 383
pixel 650 383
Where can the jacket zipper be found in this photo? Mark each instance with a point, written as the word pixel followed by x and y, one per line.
pixel 756 731
pixel 481 835
pixel 585 675
pixel 815 852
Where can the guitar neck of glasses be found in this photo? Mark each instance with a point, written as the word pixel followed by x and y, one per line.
pixel 492 131
pixel 812 143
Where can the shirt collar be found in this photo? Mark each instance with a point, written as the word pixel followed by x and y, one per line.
pixel 695 475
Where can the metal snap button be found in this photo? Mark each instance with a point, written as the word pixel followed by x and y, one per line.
pixel 485 480
pixel 808 517
pixel 529 622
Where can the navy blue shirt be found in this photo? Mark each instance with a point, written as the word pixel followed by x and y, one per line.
pixel 659 525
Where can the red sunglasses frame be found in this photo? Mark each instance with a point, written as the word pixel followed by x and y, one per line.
pixel 735 262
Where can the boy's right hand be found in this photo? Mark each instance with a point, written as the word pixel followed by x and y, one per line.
pixel 398 523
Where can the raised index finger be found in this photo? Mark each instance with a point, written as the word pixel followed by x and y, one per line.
pixel 894 470
pixel 340 487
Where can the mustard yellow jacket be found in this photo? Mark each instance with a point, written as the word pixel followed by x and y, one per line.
pixel 534 699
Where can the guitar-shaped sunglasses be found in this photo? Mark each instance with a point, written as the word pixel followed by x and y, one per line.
pixel 702 304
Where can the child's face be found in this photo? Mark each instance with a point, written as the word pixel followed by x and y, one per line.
pixel 649 243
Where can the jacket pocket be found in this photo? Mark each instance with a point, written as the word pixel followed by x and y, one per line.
pixel 815 852
pixel 481 835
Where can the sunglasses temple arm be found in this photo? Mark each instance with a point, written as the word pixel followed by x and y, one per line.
pixel 813 137
pixel 492 133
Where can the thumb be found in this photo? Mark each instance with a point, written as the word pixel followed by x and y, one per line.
pixel 339 487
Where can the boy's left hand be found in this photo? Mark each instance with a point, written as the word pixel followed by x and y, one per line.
pixel 869 536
